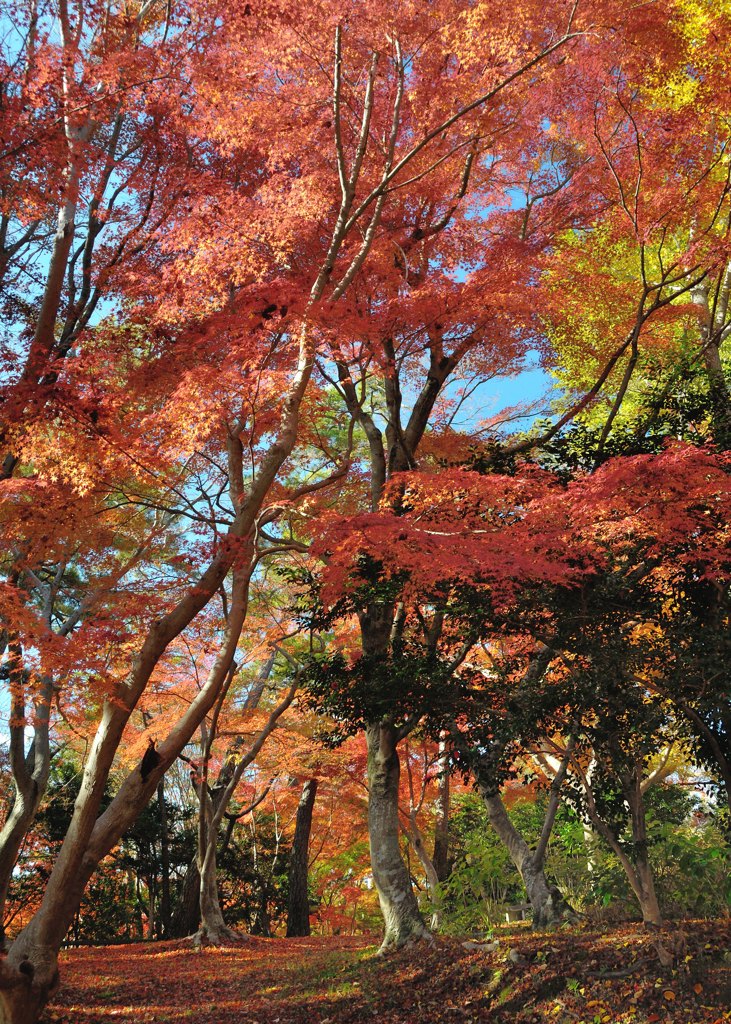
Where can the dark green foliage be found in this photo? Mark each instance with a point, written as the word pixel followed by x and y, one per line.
pixel 253 874
pixel 123 898
pixel 482 877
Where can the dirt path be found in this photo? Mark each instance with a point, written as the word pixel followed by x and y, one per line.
pixel 564 978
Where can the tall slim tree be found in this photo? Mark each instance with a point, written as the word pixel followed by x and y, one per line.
pixel 298 909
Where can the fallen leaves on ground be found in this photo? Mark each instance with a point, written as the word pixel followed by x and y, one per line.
pixel 581 976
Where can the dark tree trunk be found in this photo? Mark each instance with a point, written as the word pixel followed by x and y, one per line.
pixel 164 861
pixel 184 920
pixel 298 911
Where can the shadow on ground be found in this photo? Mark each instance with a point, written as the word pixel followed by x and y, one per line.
pixel 575 977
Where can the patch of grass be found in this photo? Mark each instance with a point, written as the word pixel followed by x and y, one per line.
pixel 504 994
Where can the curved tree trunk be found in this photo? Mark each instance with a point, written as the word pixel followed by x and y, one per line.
pixel 417 841
pixel 26 799
pixel 636 867
pixel 31 967
pixel 298 911
pixel 213 805
pixel 185 918
pixel 549 906
pixel 403 920
pixel 30 971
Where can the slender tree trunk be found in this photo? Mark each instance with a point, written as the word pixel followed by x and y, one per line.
pixel 644 881
pixel 637 867
pixel 30 770
pixel 403 920
pixel 186 917
pixel 21 816
pixel 549 906
pixel 639 875
pixel 417 841
pixel 212 810
pixel 164 860
pixel 298 911
pixel 440 857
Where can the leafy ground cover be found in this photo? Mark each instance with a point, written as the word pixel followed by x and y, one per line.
pixel 574 977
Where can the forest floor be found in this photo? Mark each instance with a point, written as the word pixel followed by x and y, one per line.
pixel 530 977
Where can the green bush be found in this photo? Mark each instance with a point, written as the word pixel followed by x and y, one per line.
pixel 691 862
